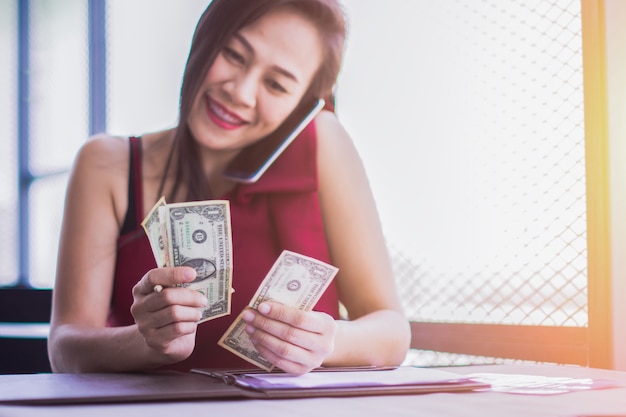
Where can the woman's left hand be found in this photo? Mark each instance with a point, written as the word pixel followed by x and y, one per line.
pixel 293 340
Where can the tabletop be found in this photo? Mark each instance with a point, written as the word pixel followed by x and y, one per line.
pixel 597 402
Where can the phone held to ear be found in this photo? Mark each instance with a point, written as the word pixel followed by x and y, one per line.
pixel 254 160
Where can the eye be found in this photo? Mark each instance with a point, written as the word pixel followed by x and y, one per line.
pixel 233 56
pixel 276 86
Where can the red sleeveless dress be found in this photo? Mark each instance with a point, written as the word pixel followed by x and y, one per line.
pixel 280 211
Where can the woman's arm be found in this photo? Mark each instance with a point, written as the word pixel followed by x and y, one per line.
pixel 79 339
pixel 377 332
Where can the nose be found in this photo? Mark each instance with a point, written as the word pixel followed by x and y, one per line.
pixel 243 89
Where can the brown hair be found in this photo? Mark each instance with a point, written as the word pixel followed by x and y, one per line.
pixel 219 22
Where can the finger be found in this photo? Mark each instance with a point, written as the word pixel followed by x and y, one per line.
pixel 171 315
pixel 165 277
pixel 284 364
pixel 174 296
pixel 163 338
pixel 262 327
pixel 288 357
pixel 309 321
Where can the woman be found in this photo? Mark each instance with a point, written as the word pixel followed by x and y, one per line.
pixel 251 63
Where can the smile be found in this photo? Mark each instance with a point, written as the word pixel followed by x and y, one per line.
pixel 222 117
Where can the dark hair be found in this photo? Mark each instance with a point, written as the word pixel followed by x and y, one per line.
pixel 219 22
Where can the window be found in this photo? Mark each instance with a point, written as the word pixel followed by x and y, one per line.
pixel 8 148
pixel 469 117
pixel 473 135
pixel 53 80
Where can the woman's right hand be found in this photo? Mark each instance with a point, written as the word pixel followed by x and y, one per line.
pixel 168 319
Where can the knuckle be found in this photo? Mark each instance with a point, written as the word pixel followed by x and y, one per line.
pixel 183 319
pixel 137 288
pixel 167 297
pixel 282 364
pixel 258 337
pixel 180 328
pixel 299 319
pixel 302 369
pixel 291 335
pixel 279 312
pixel 134 310
pixel 295 368
pixel 260 321
pixel 283 350
pixel 176 313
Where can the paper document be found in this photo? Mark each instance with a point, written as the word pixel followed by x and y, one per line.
pixel 400 376
pixel 540 385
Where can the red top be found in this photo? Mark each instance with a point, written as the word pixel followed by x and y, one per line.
pixel 280 211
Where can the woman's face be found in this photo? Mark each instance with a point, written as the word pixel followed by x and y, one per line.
pixel 256 81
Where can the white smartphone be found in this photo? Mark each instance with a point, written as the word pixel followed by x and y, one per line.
pixel 254 160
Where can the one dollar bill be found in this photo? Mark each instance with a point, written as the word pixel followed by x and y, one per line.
pixel 196 234
pixel 294 280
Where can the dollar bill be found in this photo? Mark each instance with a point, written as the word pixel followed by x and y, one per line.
pixel 294 280
pixel 155 230
pixel 196 234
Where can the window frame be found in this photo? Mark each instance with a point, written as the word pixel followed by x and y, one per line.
pixel 587 346
pixel 97 114
pixel 590 346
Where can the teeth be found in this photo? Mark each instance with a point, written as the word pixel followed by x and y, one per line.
pixel 227 117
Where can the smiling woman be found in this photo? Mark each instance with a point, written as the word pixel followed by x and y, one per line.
pixel 266 75
pixel 457 116
pixel 251 65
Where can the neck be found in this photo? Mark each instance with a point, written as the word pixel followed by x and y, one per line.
pixel 213 164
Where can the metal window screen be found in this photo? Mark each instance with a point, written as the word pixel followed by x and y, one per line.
pixel 503 235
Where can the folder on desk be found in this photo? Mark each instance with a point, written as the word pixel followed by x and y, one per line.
pixel 206 384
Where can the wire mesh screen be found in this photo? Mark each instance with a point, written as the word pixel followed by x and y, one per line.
pixel 503 240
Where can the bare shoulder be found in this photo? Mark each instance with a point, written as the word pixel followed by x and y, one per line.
pixel 338 158
pixel 330 132
pixel 103 160
pixel 103 150
pixel 100 174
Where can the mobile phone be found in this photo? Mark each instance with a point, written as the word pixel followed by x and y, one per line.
pixel 254 160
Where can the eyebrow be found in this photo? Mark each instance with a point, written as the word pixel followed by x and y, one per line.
pixel 276 68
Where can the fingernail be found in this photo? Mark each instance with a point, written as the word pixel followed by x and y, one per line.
pixel 189 274
pixel 248 316
pixel 264 308
pixel 204 301
pixel 249 329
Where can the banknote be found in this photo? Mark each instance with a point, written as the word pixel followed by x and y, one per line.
pixel 154 228
pixel 196 234
pixel 295 280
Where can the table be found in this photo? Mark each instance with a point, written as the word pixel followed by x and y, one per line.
pixel 604 402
